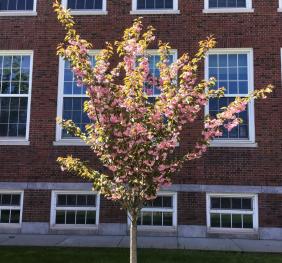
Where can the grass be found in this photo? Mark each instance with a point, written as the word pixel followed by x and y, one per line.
pixel 109 255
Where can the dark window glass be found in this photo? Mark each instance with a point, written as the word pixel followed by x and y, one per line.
pixel 81 200
pixel 225 203
pixel 91 218
pixel 247 221
pixel 15 216
pixel 71 200
pixel 157 218
pixel 16 200
pixel 236 221
pixel 227 3
pixel 215 203
pixel 70 217
pixel 80 217
pixel 167 219
pixel 167 201
pixel 215 220
pixel 5 216
pixel 226 220
pixel 91 200
pixel 61 200
pixel 147 218
pixel 236 203
pixel 247 203
pixel 85 4
pixel 60 217
pixel 6 199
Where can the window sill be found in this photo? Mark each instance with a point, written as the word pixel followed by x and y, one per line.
pixel 235 144
pixel 157 228
pixel 155 12
pixel 14 142
pixel 65 142
pixel 73 227
pixel 18 13
pixel 228 10
pixel 88 13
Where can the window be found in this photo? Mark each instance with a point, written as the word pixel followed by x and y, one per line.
pixel 86 7
pixel 159 212
pixel 17 7
pixel 11 208
pixel 233 70
pixel 71 99
pixel 280 6
pixel 233 212
pixel 75 209
pixel 154 7
pixel 154 59
pixel 15 93
pixel 214 6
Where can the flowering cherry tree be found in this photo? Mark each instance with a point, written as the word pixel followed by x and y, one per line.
pixel 134 138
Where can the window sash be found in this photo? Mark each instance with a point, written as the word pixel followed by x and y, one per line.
pixel 248 6
pixel 19 10
pixel 230 212
pixel 92 10
pixel 11 208
pixel 27 95
pixel 55 208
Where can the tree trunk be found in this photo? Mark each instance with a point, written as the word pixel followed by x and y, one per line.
pixel 133 241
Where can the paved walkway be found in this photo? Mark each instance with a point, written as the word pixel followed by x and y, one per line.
pixel 242 245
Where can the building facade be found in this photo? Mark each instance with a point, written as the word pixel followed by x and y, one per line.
pixel 234 190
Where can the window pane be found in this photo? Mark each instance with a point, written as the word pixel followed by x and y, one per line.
pixel 158 202
pixel 236 203
pixel 225 203
pixel 16 199
pixel 167 219
pixel 147 218
pixel 61 200
pixel 81 200
pixel 247 203
pixel 157 218
pixel 80 217
pixel 226 220
pixel 215 220
pixel 236 221
pixel 215 203
pixel 60 217
pixel 70 217
pixel 5 216
pixel 167 201
pixel 6 199
pixel 91 200
pixel 71 200
pixel 91 218
pixel 15 216
pixel 247 221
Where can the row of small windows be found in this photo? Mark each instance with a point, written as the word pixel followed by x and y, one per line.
pixel 232 69
pixel 76 209
pixel 137 5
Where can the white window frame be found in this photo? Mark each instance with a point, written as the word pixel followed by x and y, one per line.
pixel 247 9
pixel 16 140
pixel 21 12
pixel 280 6
pixel 53 224
pixel 86 12
pixel 149 209
pixel 59 140
pixel 251 111
pixel 232 230
pixel 13 225
pixel 136 11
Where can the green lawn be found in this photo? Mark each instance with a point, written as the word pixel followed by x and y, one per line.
pixel 103 255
